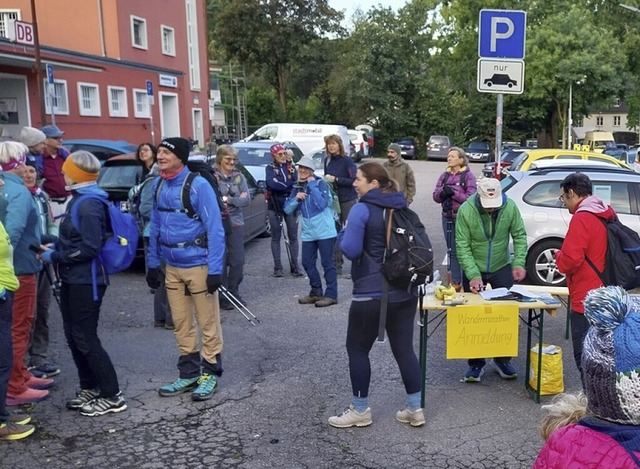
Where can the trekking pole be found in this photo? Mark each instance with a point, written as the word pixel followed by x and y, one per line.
pixel 287 244
pixel 54 285
pixel 249 316
pixel 449 248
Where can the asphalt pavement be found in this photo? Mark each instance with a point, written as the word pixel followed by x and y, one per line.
pixel 283 379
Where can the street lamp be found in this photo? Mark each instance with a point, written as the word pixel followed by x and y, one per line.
pixel 570 111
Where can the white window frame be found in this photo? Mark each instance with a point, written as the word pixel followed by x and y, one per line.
pixel 170 47
pixel 599 121
pixel 62 97
pixel 137 113
pixel 5 14
pixel 617 120
pixel 143 36
pixel 122 104
pixel 193 46
pixel 94 100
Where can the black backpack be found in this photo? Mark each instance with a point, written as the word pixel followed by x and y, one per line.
pixel 206 171
pixel 622 259
pixel 408 257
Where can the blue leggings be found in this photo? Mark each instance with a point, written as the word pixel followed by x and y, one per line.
pixel 362 332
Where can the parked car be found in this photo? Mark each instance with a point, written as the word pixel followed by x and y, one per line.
pixel 546 219
pixel 318 156
pixel 619 151
pixel 256 155
pixel 102 149
pixel 120 173
pixel 409 148
pixel 529 158
pixel 478 150
pixel 360 142
pixel 506 158
pixel 438 147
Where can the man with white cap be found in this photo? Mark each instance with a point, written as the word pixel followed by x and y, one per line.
pixel 34 139
pixel 484 224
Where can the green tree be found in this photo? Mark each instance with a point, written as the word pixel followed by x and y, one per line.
pixel 271 35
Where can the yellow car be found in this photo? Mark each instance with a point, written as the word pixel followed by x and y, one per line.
pixel 545 157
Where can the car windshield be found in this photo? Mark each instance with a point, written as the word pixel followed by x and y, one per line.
pixel 120 176
pixel 254 156
pixel 478 146
pixel 438 141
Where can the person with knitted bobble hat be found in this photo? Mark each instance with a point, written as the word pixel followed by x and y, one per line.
pixel 75 256
pixel 600 428
pixel 192 249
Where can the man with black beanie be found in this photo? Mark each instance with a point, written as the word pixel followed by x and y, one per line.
pixel 193 251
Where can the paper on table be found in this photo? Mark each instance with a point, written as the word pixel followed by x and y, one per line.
pixel 500 292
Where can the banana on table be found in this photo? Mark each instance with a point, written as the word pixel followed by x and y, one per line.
pixel 445 292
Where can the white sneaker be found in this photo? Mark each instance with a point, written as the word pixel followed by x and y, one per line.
pixel 351 418
pixel 415 418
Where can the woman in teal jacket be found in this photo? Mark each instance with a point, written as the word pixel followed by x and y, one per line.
pixel 312 197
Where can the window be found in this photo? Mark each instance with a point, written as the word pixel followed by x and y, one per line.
pixel 599 120
pixel 5 17
pixel 141 104
pixel 193 45
pixel 88 99
pixel 138 32
pixel 617 102
pixel 117 101
pixel 168 40
pixel 60 98
pixel 616 120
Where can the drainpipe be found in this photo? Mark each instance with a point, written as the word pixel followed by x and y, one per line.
pixel 38 64
pixel 101 26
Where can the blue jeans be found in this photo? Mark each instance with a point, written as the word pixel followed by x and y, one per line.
pixel 276 233
pixel 309 260
pixel 6 352
pixel 500 278
pixel 449 228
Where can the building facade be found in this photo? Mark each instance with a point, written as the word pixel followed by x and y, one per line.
pixel 132 70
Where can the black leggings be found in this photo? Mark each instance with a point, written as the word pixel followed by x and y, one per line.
pixel 579 329
pixel 362 332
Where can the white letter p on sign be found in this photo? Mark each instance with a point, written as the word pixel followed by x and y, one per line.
pixel 495 35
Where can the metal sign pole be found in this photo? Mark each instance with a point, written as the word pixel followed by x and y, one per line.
pixel 499 107
pixel 153 132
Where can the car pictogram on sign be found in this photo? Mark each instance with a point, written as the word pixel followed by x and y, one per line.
pixel 501 79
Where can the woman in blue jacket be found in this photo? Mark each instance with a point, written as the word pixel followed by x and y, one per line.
pixel 312 197
pixel 363 242
pixel 74 254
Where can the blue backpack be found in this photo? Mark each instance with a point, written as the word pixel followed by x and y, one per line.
pixel 119 249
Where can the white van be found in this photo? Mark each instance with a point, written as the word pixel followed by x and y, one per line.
pixel 308 137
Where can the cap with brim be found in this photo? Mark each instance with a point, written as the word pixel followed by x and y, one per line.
pixel 307 162
pixel 490 193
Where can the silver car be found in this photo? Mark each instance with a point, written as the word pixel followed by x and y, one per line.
pixel 546 220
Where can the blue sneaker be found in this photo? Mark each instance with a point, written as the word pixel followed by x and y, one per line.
pixel 207 385
pixel 179 386
pixel 505 369
pixel 473 374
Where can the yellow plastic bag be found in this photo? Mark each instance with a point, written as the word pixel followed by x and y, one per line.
pixel 552 381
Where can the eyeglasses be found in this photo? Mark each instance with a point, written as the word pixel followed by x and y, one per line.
pixel 563 197
pixel 281 153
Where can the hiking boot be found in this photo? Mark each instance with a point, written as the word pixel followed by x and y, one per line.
pixel 414 418
pixel 169 327
pixel 473 374
pixel 30 396
pixel 322 302
pixel 104 405
pixel 39 383
pixel 225 304
pixel 159 324
pixel 207 385
pixel 15 431
pixel 296 272
pixel 20 419
pixel 309 299
pixel 84 396
pixel 505 370
pixel 179 386
pixel 351 418
pixel 46 370
pixel 278 273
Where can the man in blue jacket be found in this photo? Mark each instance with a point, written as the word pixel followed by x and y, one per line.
pixel 193 250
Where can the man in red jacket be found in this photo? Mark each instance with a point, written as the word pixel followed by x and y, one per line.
pixel 586 237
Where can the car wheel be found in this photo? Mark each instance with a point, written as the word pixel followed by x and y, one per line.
pixel 541 264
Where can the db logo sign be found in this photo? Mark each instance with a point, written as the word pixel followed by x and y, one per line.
pixel 22 33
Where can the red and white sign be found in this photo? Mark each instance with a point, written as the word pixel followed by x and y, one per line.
pixel 21 32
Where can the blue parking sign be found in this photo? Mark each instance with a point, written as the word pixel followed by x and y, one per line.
pixel 502 34
pixel 149 88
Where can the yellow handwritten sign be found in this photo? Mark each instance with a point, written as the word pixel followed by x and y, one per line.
pixel 482 331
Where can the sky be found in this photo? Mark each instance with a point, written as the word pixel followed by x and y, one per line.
pixel 349 6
